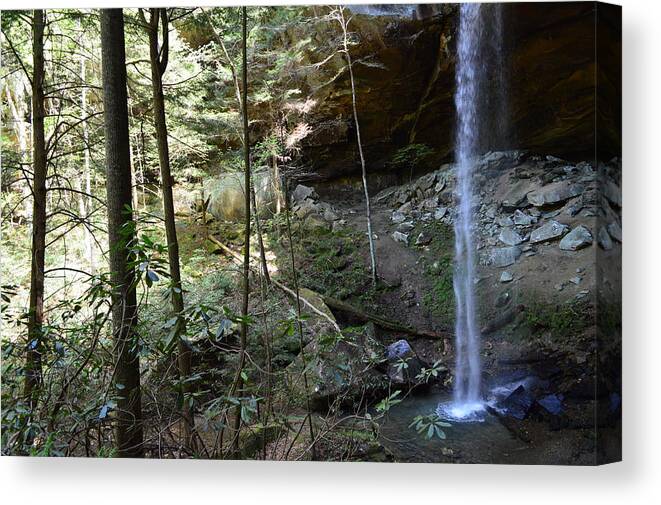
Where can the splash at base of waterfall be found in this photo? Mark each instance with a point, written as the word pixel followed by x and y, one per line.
pixel 466 412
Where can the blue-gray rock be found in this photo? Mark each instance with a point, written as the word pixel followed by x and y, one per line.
pixel 398 236
pixel 517 404
pixel 576 239
pixel 398 349
pixel 301 193
pixel 504 256
pixel 510 237
pixel 506 277
pixel 549 231
pixel 440 212
pixel 522 219
pixel 552 404
pixel 604 239
pixel 398 217
pixel 554 193
pixel 615 231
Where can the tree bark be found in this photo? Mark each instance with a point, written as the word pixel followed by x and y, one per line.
pixel 238 381
pixel 35 345
pixel 121 232
pixel 159 60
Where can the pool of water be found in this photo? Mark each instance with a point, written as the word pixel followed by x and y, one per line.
pixel 487 441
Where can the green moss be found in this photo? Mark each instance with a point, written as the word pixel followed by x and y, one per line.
pixel 439 299
pixel 560 320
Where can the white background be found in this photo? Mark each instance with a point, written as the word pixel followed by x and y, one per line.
pixel 636 480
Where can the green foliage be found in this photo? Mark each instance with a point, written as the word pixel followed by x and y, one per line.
pixel 440 297
pixel 562 321
pixel 430 426
pixel 411 156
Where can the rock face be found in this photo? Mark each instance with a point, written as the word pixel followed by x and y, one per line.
pixel 576 239
pixel 405 87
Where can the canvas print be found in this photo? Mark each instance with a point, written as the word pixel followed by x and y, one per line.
pixel 385 233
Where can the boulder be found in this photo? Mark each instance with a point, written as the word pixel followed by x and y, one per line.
pixel 516 195
pixel 440 213
pixel 398 236
pixel 604 239
pixel 576 239
pixel 554 193
pixel 405 227
pixel 302 192
pixel 398 217
pixel 510 237
pixel 552 404
pixel 613 193
pixel 423 239
pixel 615 231
pixel 522 219
pixel 506 277
pixel 551 230
pixel 517 404
pixel 404 365
pixel 504 256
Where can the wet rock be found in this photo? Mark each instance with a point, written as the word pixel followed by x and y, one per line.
pixel 403 238
pixel 423 239
pixel 575 280
pixel 615 231
pixel 399 349
pixel 517 404
pixel 505 221
pixel 554 193
pixel 604 239
pixel 302 193
pixel 576 239
pixel 552 404
pixel 429 203
pixel 506 277
pixel 522 219
pixel 510 237
pixel 547 232
pixel 504 256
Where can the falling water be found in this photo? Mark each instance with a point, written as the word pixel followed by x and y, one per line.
pixel 472 71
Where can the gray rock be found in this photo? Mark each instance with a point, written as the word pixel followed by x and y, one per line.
pixel 305 208
pixel 613 193
pixel 615 231
pixel 398 236
pixel 440 212
pixel 575 280
pixel 405 227
pixel 604 239
pixel 301 193
pixel 576 239
pixel 506 277
pixel 549 231
pixel 440 186
pixel 516 196
pixel 504 256
pixel 554 193
pixel 522 219
pixel 330 215
pixel 505 221
pixel 423 239
pixel 510 237
pixel 406 208
pixel 398 217
pixel 429 203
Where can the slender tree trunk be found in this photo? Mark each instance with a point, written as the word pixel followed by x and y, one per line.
pixel 159 61
pixel 36 316
pixel 86 201
pixel 238 382
pixel 344 24
pixel 121 232
pixel 260 238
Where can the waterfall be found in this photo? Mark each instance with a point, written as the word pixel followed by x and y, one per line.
pixel 473 68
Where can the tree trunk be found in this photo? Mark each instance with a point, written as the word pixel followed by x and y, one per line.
pixel 238 381
pixel 344 24
pixel 121 232
pixel 260 239
pixel 35 320
pixel 159 61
